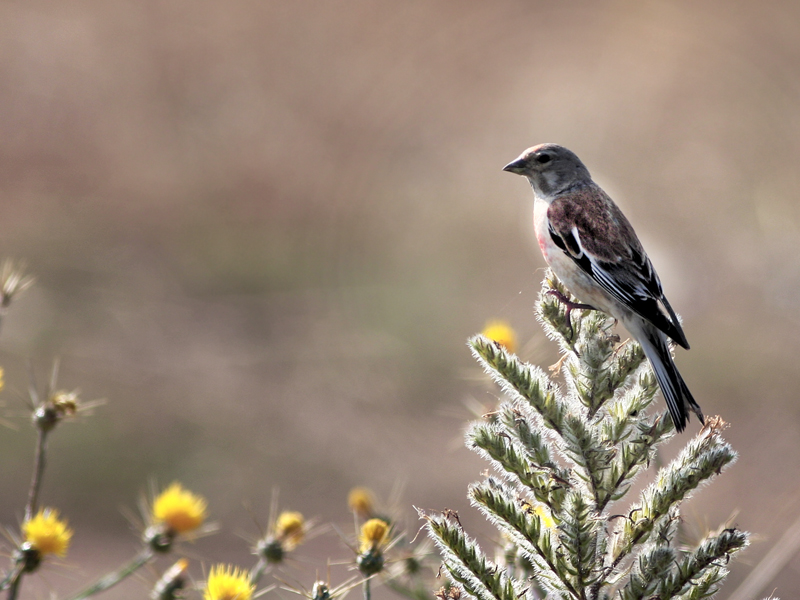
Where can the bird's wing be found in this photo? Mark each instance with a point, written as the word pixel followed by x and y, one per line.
pixel 603 244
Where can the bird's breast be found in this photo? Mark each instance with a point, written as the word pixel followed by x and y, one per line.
pixel 541 227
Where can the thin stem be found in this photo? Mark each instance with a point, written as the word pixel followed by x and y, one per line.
pixel 7 581
pixel 367 593
pixel 257 571
pixel 12 282
pixel 13 588
pixel 38 472
pixel 13 581
pixel 113 578
pixel 3 310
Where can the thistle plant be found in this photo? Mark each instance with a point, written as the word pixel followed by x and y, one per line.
pixel 173 515
pixel 564 458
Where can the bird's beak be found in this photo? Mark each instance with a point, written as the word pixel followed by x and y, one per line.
pixel 516 166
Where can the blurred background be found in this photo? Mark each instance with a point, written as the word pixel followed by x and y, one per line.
pixel 263 231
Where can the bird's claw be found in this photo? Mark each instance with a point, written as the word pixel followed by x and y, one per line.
pixel 569 306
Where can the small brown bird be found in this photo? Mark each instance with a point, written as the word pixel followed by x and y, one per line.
pixel 594 251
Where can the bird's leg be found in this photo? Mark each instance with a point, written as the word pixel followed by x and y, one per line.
pixel 569 306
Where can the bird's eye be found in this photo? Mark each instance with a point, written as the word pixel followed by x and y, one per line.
pixel 543 158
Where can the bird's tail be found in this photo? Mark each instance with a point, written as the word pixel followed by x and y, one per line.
pixel 679 398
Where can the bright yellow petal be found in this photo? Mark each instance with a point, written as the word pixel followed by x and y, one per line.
pixel 228 583
pixel 47 533
pixel 501 333
pixel 373 534
pixel 179 509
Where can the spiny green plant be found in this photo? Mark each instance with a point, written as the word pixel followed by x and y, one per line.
pixel 564 458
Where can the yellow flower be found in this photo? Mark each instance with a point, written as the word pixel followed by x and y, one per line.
pixel 290 528
pixel 2 378
pixel 46 533
pixel 228 583
pixel 544 514
pixel 373 533
pixel 501 333
pixel 361 501
pixel 179 509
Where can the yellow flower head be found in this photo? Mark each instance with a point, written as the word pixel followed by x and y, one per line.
pixel 544 514
pixel 290 528
pixel 179 509
pixel 46 533
pixel 501 333
pixel 2 378
pixel 228 583
pixel 361 501
pixel 373 533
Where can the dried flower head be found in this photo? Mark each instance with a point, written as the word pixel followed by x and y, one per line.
pixel 169 586
pixel 65 403
pixel 450 592
pixel 12 281
pixel 228 583
pixel 320 591
pixel 46 533
pixel 58 406
pixel 179 510
pixel 500 332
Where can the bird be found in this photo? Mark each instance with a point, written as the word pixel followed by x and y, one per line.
pixel 592 248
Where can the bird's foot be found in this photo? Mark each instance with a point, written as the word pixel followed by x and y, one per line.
pixel 569 306
pixel 618 343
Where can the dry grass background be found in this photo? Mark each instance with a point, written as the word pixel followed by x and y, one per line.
pixel 264 230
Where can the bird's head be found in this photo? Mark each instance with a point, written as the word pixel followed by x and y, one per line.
pixel 550 168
